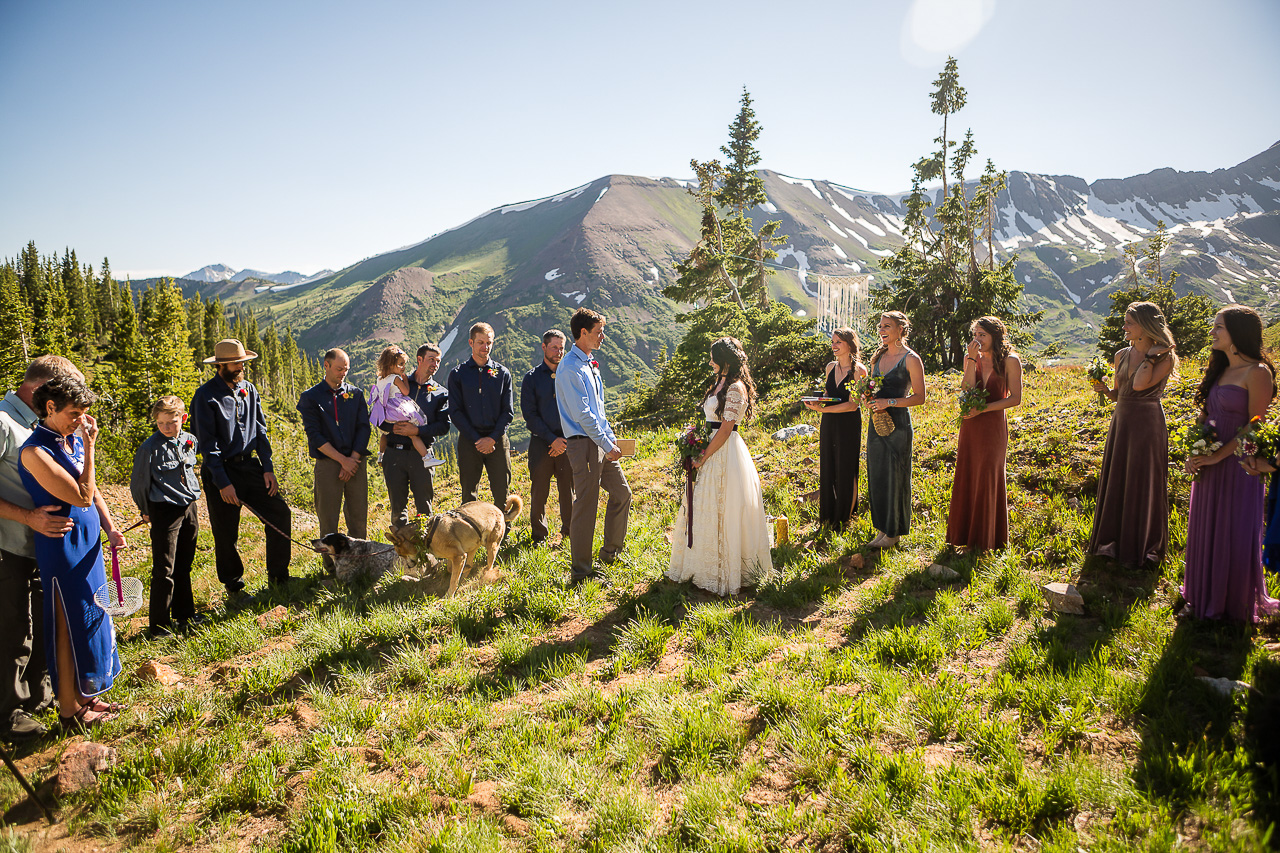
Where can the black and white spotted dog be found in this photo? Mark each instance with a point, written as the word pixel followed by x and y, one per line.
pixel 358 560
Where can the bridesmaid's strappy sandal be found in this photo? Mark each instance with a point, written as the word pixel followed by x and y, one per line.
pixel 77 721
pixel 107 707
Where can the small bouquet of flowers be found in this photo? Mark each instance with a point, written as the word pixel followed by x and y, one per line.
pixel 1259 437
pixel 691 441
pixel 866 388
pixel 972 400
pixel 1098 370
pixel 1200 439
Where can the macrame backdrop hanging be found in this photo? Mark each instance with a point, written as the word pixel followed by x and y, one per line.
pixel 842 301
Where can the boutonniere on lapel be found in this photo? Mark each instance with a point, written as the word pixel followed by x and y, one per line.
pixel 595 365
pixel 431 386
pixel 189 443
pixel 346 395
pixel 492 371
pixel 242 393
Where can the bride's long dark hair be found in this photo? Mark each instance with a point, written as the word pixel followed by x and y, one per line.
pixel 728 355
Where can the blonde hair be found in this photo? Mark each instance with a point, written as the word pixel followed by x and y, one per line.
pixel 1151 320
pixel 391 356
pixel 171 404
pixel 903 323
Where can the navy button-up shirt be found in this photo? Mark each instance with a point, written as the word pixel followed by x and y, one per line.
pixel 481 401
pixel 335 416
pixel 433 400
pixel 538 403
pixel 229 422
pixel 164 471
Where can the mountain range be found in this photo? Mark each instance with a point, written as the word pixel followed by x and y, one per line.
pixel 611 245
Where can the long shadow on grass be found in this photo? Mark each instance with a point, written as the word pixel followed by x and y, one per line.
pixel 1191 750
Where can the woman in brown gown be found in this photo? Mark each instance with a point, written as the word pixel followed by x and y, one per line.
pixel 979 515
pixel 1131 518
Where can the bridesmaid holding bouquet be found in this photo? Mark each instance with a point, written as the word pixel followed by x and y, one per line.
pixel 900 374
pixel 841 435
pixel 1224 530
pixel 1131 517
pixel 979 514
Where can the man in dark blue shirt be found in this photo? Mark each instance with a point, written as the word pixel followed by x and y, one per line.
pixel 231 431
pixel 546 439
pixel 482 406
pixel 401 465
pixel 336 420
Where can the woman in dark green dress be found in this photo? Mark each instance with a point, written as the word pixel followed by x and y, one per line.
pixel 899 376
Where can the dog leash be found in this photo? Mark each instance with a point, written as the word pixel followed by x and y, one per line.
pixel 303 544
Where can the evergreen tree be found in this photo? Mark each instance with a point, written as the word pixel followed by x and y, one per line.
pixel 1189 316
pixel 81 323
pixel 51 312
pixel 15 329
pixel 937 278
pixel 168 360
pixel 108 301
pixel 730 257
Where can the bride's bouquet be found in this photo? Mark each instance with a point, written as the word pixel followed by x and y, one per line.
pixel 972 400
pixel 867 387
pixel 1098 370
pixel 690 443
pixel 1199 439
pixel 1260 438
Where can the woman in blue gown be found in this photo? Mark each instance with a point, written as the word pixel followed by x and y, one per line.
pixel 57 468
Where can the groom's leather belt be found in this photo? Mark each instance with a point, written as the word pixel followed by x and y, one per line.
pixel 717 424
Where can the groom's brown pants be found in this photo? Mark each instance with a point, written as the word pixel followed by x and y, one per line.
pixel 591 473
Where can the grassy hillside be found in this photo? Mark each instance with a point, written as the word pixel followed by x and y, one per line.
pixel 850 702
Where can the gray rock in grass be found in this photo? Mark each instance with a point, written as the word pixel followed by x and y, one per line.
pixel 1063 598
pixel 943 573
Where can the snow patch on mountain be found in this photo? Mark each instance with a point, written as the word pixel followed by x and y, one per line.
pixel 553 274
pixel 802 182
pixel 802 265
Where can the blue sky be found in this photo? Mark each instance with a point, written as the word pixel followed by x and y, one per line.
pixel 304 135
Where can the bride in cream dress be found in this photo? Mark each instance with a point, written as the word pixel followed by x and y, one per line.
pixel 730 535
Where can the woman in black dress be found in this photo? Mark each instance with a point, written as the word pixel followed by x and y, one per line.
pixel 841 437
pixel 899 373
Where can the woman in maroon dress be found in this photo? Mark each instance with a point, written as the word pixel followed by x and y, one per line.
pixel 1131 515
pixel 979 515
pixel 1224 528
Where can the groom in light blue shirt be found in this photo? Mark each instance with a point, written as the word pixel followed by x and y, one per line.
pixel 592 448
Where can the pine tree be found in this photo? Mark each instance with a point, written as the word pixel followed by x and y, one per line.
pixel 15 329
pixel 730 257
pixel 51 312
pixel 81 324
pixel 937 278
pixel 108 301
pixel 168 361
pixel 1189 316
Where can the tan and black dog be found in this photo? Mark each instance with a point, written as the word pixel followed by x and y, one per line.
pixel 457 536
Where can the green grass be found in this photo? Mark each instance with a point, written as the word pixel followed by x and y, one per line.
pixel 871 708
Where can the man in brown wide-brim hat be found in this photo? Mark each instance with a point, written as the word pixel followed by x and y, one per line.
pixel 227 420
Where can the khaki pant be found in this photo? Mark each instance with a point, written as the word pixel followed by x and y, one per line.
pixel 591 473
pixel 351 498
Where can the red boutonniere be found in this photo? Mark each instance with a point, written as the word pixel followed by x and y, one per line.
pixel 189 443
pixel 242 393
pixel 595 365
pixel 492 371
pixel 430 386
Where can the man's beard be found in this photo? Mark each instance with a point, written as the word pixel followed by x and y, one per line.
pixel 230 376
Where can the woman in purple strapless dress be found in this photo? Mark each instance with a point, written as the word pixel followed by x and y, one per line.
pixel 1224 531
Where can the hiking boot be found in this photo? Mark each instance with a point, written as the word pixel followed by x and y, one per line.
pixel 23 727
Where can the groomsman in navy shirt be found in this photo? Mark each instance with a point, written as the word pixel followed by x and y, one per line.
pixel 482 406
pixel 335 417
pixel 401 465
pixel 231 431
pixel 547 443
